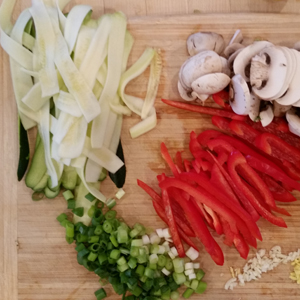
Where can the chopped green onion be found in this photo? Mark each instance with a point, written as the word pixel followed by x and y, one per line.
pixel 123 267
pixel 196 265
pixel 93 239
pixel 174 295
pixel 189 266
pixel 136 291
pixel 192 254
pixel 122 235
pixel 154 249
pixel 114 241
pixel 95 247
pixel 132 263
pixel 200 274
pixel 90 197
pixel 98 230
pixel 153 259
pixel 115 254
pixel 161 260
pixel 92 256
pixel 124 251
pixel 134 251
pixel 153 266
pixel 174 251
pixel 179 278
pixel 140 270
pixel 121 261
pixel 61 217
pixel 91 211
pixel 139 227
pixel 69 239
pixel 37 196
pixel 149 272
pixel 154 238
pixel 133 233
pixel 189 272
pixel 120 193
pixel 100 294
pixel 107 227
pixel 70 230
pixel 102 257
pixel 194 284
pixel 78 211
pixel 146 239
pixel 68 195
pixel 148 285
pixel 80 247
pixel 169 264
pixel 192 276
pixel 64 223
pixel 111 203
pixel 111 214
pixel 166 272
pixel 178 264
pixel 187 284
pixel 201 287
pixel 81 238
pixel 71 204
pixel 137 243
pixel 188 293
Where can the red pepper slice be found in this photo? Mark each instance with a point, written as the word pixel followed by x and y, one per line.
pixel 196 165
pixel 160 212
pixel 198 224
pixel 236 159
pixel 229 236
pixel 202 154
pixel 167 157
pixel 204 110
pixel 207 135
pixel 203 213
pixel 219 145
pixel 291 170
pixel 278 148
pixel 216 220
pixel 194 144
pixel 263 167
pixel 221 123
pixel 222 99
pixel 241 245
pixel 172 224
pixel 178 161
pixel 244 200
pixel 220 181
pixel 243 130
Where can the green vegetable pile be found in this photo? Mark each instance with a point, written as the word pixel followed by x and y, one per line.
pixel 116 253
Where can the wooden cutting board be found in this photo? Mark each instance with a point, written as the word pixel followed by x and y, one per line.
pixel 35 261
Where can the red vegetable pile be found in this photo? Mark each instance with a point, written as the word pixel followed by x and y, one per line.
pixel 232 181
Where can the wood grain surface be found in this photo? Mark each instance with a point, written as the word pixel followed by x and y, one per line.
pixel 35 261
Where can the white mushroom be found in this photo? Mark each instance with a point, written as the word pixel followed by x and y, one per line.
pixel 211 83
pixel 254 107
pixel 185 93
pixel 237 37
pixel 230 49
pixel 293 121
pixel 240 101
pixel 280 110
pixel 196 66
pixel 225 68
pixel 231 59
pixel 242 61
pixel 202 41
pixel 202 97
pixel 266 116
pixel 268 73
pixel 297 46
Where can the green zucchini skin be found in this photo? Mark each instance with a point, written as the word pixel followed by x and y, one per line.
pixel 24 152
pixel 51 194
pixel 120 176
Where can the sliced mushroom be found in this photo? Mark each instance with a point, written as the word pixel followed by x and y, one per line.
pixel 202 97
pixel 266 116
pixel 268 73
pixel 240 101
pixel 225 68
pixel 297 46
pixel 292 95
pixel 254 107
pixel 230 49
pixel 242 61
pixel 196 66
pixel 293 121
pixel 185 94
pixel 211 83
pixel 202 41
pixel 280 110
pixel 237 37
pixel 231 59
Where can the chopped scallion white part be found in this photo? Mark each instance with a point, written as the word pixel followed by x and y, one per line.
pixel 174 251
pixel 166 233
pixel 120 193
pixel 189 272
pixel 146 239
pixel 154 238
pixel 172 256
pixel 189 266
pixel 166 272
pixel 192 254
pixel 196 265
pixel 160 232
pixel 153 259
pixel 192 276
pixel 161 249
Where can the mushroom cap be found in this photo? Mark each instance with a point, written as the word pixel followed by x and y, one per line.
pixel 254 107
pixel 231 59
pixel 198 65
pixel 269 72
pixel 292 95
pixel 237 37
pixel 280 110
pixel 293 121
pixel 225 68
pixel 231 48
pixel 266 116
pixel 240 101
pixel 210 83
pixel 184 93
pixel 242 61
pixel 202 41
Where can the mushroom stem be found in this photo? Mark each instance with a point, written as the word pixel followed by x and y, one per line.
pixel 259 71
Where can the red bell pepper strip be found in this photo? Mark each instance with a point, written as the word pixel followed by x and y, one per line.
pixel 222 99
pixel 160 212
pixel 243 130
pixel 196 165
pixel 221 123
pixel 207 135
pixel 179 217
pixel 241 245
pixel 276 174
pixel 279 192
pixel 222 157
pixel 204 110
pixel 227 232
pixel 215 218
pixel 194 144
pixel 291 170
pixel 237 159
pixel 203 213
pixel 218 179
pixel 276 147
pixel 187 165
pixel 198 224
pixel 178 161
pixel 243 199
pixel 202 154
pixel 172 224
pixel 166 156
pixel 219 145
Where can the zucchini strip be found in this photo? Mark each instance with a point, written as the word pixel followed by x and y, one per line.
pixel 6 11
pixel 92 171
pixel 73 24
pixel 117 134
pixel 67 103
pixel 64 123
pixel 28 41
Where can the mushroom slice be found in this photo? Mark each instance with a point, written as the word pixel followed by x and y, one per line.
pixel 231 48
pixel 237 37
pixel 293 121
pixel 196 66
pixel 202 41
pixel 268 72
pixel 240 101
pixel 202 97
pixel 231 59
pixel 292 95
pixel 242 62
pixel 280 110
pixel 266 116
pixel 225 68
pixel 254 107
pixel 184 93
pixel 297 46
pixel 211 83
